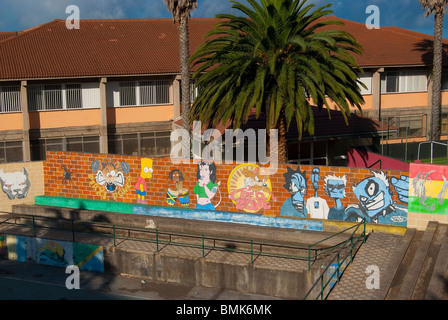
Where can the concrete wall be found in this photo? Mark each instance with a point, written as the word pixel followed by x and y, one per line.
pixel 55 252
pixel 25 181
pixel 305 192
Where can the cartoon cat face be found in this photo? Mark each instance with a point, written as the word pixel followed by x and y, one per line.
pixel 15 184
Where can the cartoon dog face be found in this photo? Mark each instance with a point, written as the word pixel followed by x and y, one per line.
pixel 110 174
pixel 15 184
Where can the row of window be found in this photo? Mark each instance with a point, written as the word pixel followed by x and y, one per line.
pixel 153 144
pixel 158 92
pixel 86 95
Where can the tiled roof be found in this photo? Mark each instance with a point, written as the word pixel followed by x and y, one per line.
pixel 5 35
pixel 151 46
pixel 98 48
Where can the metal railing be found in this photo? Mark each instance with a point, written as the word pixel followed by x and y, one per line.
pixel 75 229
pixel 340 261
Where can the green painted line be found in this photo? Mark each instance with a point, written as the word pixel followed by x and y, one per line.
pixel 429 206
pixel 99 205
pixel 84 204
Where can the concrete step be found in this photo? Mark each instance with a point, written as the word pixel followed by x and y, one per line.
pixel 421 274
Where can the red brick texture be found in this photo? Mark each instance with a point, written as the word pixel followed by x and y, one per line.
pixel 68 174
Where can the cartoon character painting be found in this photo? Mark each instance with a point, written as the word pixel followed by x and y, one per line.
pixel 316 206
pixel 250 188
pixel 15 184
pixel 296 184
pixel 140 186
pixel 110 174
pixel 178 192
pixel 207 185
pixel 375 200
pixel 335 188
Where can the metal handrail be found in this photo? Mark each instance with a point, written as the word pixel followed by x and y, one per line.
pixel 159 238
pixel 338 273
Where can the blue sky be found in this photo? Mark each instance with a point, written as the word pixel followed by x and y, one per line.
pixel 22 14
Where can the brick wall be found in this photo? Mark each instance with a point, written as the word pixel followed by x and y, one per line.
pixel 71 175
pixel 14 174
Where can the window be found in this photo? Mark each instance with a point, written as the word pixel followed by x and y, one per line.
pixel 39 147
pixel 63 96
pixel 11 151
pixel 404 81
pixel 445 79
pixel 143 144
pixel 392 81
pixel 44 97
pixel 154 92
pixel 127 94
pixel 308 153
pixel 10 99
pixel 366 79
pixel 73 96
pixel 52 97
pixel 142 93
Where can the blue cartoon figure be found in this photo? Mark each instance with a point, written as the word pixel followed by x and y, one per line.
pixel 375 200
pixel 296 184
pixel 335 188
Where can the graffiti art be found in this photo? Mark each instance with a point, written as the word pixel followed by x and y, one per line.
pixel 316 206
pixel 140 186
pixel 249 189
pixel 15 184
pixel 335 188
pixel 207 186
pixel 110 174
pixel 296 184
pixel 177 192
pixel 376 204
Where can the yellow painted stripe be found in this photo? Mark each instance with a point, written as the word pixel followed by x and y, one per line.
pixel 432 189
pixel 79 265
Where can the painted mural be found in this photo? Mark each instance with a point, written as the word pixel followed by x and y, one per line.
pixel 55 253
pixel 140 186
pixel 296 184
pixel 428 189
pixel 335 188
pixel 374 194
pixel 207 186
pixel 109 178
pixel 15 184
pixel 303 192
pixel 375 200
pixel 176 191
pixel 316 206
pixel 249 188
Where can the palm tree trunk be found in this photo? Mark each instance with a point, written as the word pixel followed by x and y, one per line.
pixel 437 76
pixel 278 153
pixel 185 78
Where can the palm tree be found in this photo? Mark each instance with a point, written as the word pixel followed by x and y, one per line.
pixel 277 61
pixel 181 9
pixel 438 7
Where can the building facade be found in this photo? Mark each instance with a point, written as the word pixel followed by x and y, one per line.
pixel 113 86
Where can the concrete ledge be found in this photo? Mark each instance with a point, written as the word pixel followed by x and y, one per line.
pixel 224 274
pixel 229 217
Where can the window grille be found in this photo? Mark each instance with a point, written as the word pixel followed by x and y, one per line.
pixel 10 99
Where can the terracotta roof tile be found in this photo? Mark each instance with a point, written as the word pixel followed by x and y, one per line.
pixel 150 46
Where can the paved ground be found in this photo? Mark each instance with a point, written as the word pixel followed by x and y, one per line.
pixel 376 252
